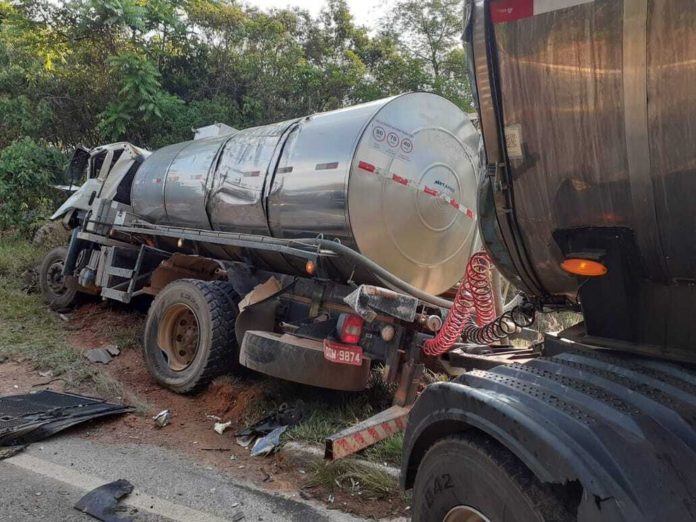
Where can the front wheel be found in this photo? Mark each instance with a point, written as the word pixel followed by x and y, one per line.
pixel 470 478
pixel 189 335
pixel 58 292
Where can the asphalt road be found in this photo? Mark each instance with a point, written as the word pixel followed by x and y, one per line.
pixel 43 482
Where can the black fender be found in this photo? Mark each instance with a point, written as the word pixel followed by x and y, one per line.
pixel 614 434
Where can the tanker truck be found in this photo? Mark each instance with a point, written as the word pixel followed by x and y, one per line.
pixel 312 250
pixel 588 116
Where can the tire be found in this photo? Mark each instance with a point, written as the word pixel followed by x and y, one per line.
pixel 233 299
pixel 58 294
pixel 178 359
pixel 471 475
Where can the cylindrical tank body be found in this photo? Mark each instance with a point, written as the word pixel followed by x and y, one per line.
pixel 599 108
pixel 394 178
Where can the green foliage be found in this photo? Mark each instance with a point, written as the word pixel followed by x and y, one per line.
pixel 26 170
pixel 86 72
pixel 140 99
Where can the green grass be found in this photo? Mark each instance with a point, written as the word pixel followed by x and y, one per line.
pixel 354 478
pixel 30 331
pixel 387 451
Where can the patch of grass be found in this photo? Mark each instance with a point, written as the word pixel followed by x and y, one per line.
pixel 128 337
pixel 387 451
pixel 17 256
pixel 350 476
pixel 30 331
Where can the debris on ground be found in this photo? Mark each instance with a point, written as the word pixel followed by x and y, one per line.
pixel 220 427
pixel 102 502
pixel 266 432
pixel 268 444
pixel 10 451
pixel 162 418
pixel 103 355
pixel 34 416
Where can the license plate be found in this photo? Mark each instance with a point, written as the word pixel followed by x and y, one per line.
pixel 342 353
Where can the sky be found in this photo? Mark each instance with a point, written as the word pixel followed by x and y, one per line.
pixel 366 12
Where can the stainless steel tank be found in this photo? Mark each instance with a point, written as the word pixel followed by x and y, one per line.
pixel 394 178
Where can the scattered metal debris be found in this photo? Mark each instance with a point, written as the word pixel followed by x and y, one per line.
pixel 162 419
pixel 102 502
pixel 268 444
pixel 220 427
pixel 103 355
pixel 34 416
pixel 264 430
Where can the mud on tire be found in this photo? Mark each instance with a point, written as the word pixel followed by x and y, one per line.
pixel 215 344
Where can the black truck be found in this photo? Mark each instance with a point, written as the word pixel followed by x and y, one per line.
pixel 588 116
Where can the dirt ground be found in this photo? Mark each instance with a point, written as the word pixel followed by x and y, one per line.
pixel 193 417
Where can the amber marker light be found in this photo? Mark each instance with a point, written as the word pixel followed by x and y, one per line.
pixel 310 267
pixel 583 267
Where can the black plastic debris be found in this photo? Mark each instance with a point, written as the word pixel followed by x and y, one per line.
pixel 102 502
pixel 34 416
pixel 266 432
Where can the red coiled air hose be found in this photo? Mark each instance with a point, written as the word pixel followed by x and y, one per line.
pixel 473 302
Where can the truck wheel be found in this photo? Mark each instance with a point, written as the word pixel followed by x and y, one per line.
pixel 470 478
pixel 57 292
pixel 233 299
pixel 189 335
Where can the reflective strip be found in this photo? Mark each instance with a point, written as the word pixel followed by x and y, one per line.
pixel 327 166
pixel 363 165
pixel 284 170
pixel 406 182
pixel 367 437
pixel 399 179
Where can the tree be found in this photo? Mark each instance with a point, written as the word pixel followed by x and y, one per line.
pixel 429 31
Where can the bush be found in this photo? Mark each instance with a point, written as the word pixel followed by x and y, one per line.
pixel 27 170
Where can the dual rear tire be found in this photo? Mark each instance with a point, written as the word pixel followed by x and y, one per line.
pixel 189 334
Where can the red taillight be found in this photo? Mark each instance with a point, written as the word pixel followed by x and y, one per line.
pixel 350 328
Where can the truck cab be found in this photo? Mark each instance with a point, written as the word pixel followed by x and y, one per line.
pixel 585 205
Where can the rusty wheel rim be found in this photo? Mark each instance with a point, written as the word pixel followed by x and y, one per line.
pixel 465 514
pixel 178 336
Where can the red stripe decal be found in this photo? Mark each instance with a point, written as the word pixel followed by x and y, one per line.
pixel 454 203
pixel 373 433
pixel 360 439
pixel 430 192
pixel 510 10
pixel 366 166
pixel 399 179
pixel 469 213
